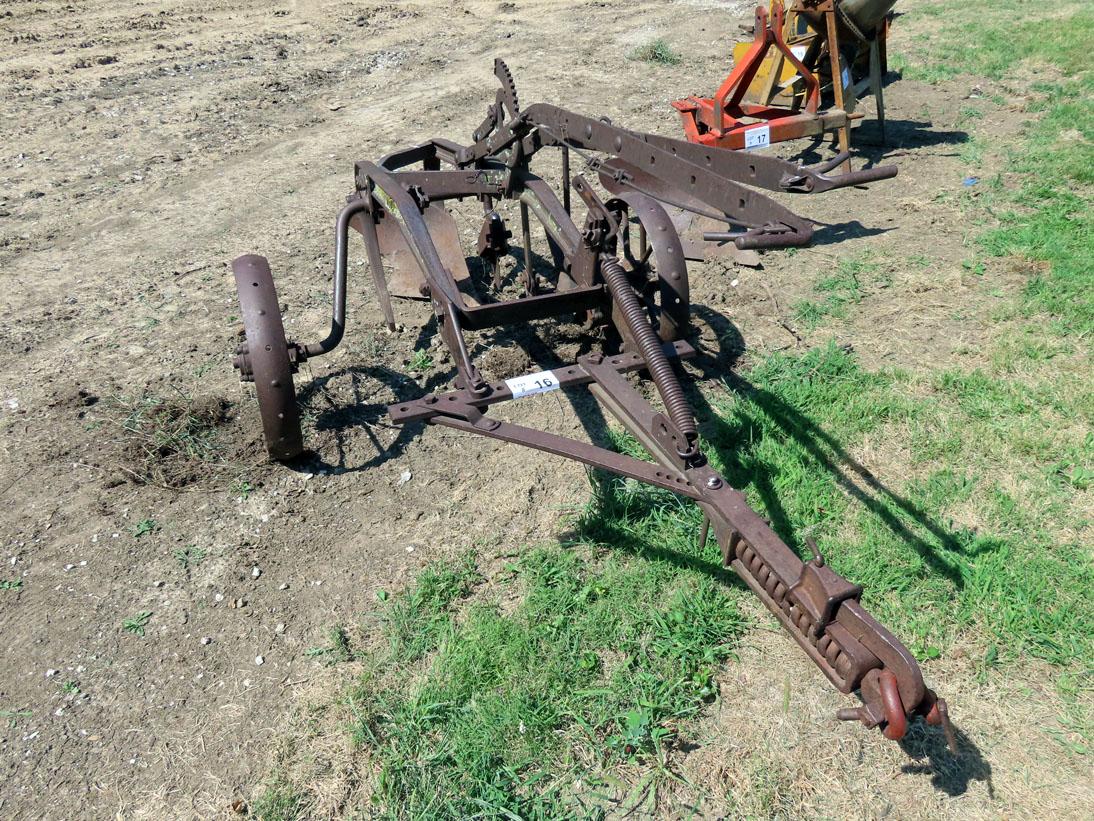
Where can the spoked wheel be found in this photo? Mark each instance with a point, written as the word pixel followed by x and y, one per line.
pixel 266 358
pixel 655 256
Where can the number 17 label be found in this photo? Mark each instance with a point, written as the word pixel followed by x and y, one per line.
pixel 758 137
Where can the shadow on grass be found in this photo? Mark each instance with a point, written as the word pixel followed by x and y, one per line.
pixel 949 773
pixel 925 745
pixel 854 478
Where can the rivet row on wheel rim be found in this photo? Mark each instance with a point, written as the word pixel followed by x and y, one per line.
pixel 265 358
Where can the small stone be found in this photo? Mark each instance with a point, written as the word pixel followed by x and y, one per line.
pixel 158 584
pixel 735 283
pixel 404 477
pixel 50 673
pixel 260 660
pixel 283 586
pixel 68 567
pixel 255 572
pixel 206 640
pixel 218 597
pixel 280 628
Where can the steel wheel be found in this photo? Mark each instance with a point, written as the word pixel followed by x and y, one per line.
pixel 267 358
pixel 667 298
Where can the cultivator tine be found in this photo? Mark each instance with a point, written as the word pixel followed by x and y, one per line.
pixel 642 298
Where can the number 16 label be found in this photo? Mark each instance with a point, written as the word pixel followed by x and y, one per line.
pixel 532 383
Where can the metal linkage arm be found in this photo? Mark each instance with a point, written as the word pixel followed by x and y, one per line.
pixel 819 608
pixel 770 224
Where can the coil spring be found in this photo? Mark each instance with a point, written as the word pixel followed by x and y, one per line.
pixel 650 347
pixel 758 569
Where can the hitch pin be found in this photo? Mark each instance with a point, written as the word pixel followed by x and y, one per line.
pixel 704 532
pixel 818 559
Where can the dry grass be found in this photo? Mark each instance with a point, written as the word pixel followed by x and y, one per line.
pixel 171 441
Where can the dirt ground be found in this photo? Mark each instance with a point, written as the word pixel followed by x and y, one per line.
pixel 143 145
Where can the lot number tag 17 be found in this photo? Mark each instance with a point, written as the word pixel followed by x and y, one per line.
pixel 759 137
pixel 532 383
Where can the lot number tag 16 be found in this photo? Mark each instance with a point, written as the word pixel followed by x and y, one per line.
pixel 532 383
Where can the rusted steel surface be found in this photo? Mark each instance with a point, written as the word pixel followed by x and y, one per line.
pixel 622 269
pixel 266 358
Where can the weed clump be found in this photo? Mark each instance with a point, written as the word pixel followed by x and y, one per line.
pixel 656 51
pixel 171 442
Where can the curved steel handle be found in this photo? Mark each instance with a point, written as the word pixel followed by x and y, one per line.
pixel 814 180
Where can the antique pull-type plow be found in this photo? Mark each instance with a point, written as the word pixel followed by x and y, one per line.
pixel 634 285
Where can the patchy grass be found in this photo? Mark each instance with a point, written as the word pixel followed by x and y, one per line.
pixel 989 39
pixel 1014 578
pixel 136 624
pixel 572 662
pixel 417 622
pixel 278 803
pixel 566 682
pixel 335 651
pixel 656 51
pixel 170 441
pixel 836 291
pixel 1049 216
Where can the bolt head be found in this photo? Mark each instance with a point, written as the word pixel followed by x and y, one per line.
pixel 714 483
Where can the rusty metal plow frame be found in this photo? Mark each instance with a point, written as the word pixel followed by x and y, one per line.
pixel 648 307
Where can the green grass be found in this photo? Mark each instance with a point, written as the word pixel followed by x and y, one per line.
pixel 1049 216
pixel 337 649
pixel 574 662
pixel 836 291
pixel 144 527
pixel 136 624
pixel 989 39
pixel 1014 583
pixel 656 51
pixel 420 361
pixel 600 658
